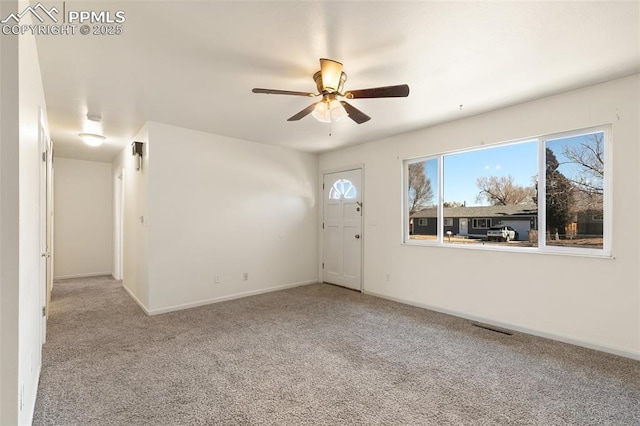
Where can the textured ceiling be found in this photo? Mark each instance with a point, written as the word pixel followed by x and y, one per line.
pixel 193 64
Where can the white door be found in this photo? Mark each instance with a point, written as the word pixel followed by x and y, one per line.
pixel 464 228
pixel 342 229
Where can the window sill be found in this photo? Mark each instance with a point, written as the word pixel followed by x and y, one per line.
pixel 531 250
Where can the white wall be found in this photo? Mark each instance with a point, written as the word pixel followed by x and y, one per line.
pixel 135 241
pixel 9 223
pixel 18 397
pixel 591 301
pixel 83 199
pixel 218 206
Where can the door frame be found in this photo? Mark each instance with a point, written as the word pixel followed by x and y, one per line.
pixel 322 173
pixel 45 152
pixel 118 267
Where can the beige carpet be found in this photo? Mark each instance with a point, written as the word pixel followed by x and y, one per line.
pixel 316 354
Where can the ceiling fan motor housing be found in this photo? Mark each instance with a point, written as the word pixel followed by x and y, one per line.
pixel 317 77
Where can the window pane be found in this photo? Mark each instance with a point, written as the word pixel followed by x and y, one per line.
pixel 343 188
pixel 422 185
pixel 575 191
pixel 488 188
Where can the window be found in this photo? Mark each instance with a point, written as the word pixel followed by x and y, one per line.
pixel 421 189
pixel 481 223
pixel 574 182
pixel 343 188
pixel 481 186
pixel 550 193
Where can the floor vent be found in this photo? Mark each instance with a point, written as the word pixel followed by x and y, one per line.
pixel 491 328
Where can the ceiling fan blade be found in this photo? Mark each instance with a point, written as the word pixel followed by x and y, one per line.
pixel 399 91
pixel 303 113
pixel 282 92
pixel 354 113
pixel 331 72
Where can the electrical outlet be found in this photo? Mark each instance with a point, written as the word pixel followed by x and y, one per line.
pixel 217 279
pixel 245 276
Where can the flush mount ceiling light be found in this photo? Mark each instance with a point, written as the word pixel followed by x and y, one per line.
pixel 92 134
pixel 92 139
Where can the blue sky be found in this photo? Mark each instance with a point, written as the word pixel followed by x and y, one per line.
pixel 462 170
pixel 518 160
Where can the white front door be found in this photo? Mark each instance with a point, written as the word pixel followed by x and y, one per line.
pixel 342 229
pixel 464 228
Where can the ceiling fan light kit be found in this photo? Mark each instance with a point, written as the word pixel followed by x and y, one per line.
pixel 330 82
pixel 326 112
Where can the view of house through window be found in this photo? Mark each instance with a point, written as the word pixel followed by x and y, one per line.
pixel 575 191
pixel 422 185
pixel 493 196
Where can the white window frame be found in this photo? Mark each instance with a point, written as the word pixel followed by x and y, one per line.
pixel 447 221
pixel 487 220
pixel 405 197
pixel 542 246
pixel 422 221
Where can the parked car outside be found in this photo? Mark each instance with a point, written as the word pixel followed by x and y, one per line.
pixel 502 233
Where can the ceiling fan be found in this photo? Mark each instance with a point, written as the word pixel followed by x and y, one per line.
pixel 330 82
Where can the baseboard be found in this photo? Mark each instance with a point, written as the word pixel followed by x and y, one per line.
pixel 32 405
pixel 225 298
pixel 560 338
pixel 91 274
pixel 135 299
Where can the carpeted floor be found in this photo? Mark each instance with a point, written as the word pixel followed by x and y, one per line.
pixel 316 354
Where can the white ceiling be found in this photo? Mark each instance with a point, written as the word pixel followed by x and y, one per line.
pixel 193 64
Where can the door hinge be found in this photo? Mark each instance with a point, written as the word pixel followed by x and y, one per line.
pixel 322 265
pixel 44 157
pixel 323 186
pixel 44 311
pixel 322 225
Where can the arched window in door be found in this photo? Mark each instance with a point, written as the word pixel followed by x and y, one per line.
pixel 343 188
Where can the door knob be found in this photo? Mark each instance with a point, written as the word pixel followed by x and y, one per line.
pixel 357 235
